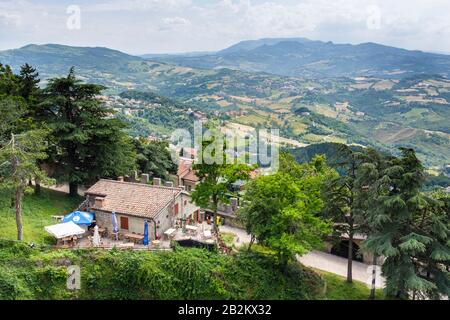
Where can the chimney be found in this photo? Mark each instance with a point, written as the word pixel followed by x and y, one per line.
pixel 99 202
pixel 120 178
pixel 144 178
pixel 156 181
pixel 169 184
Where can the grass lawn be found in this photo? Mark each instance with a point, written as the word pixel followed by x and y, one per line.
pixel 228 238
pixel 337 286
pixel 36 214
pixel 339 289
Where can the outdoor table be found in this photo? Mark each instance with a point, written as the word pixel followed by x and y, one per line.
pixel 193 228
pixel 134 237
pixel 207 234
pixel 170 232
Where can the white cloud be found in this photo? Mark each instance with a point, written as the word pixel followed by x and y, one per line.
pixel 190 25
pixel 174 23
pixel 133 5
pixel 8 19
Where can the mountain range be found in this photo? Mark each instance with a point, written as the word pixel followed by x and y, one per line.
pixel 312 91
pixel 300 57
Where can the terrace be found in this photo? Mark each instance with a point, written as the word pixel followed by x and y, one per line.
pixel 192 235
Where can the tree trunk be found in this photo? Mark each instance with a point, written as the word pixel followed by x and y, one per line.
pixel 374 277
pixel 252 240
pixel 37 186
pixel 18 203
pixel 73 189
pixel 284 263
pixel 215 205
pixel 215 226
pixel 350 257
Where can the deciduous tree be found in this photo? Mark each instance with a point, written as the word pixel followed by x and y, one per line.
pixel 282 210
pixel 215 177
pixel 18 158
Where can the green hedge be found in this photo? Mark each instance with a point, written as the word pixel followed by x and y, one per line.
pixel 41 273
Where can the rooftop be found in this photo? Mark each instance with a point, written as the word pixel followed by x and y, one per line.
pixel 136 199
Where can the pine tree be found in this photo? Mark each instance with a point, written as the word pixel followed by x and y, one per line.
pixel 407 227
pixel 154 157
pixel 28 82
pixel 88 142
pixel 372 163
pixel 340 207
pixel 28 89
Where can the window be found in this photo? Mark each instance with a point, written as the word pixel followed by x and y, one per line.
pixel 124 223
pixel 175 209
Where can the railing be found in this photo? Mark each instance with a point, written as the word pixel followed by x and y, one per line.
pixel 83 206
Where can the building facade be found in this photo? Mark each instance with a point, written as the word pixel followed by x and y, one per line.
pixel 134 203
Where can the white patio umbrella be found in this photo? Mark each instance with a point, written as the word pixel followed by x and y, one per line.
pixel 96 237
pixel 115 225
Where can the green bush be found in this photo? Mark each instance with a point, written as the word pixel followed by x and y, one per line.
pixel 41 273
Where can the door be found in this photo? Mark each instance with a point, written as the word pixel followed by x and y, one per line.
pixel 124 223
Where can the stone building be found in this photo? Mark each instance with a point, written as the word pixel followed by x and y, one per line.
pixel 186 175
pixel 133 203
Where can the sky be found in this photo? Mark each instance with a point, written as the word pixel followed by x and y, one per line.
pixel 175 26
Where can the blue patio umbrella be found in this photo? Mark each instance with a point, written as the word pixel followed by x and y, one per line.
pixel 145 233
pixel 79 218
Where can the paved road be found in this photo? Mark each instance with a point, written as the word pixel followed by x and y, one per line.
pixel 320 260
pixel 242 236
pixel 337 265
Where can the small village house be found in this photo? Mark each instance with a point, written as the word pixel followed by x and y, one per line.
pixel 186 175
pixel 133 203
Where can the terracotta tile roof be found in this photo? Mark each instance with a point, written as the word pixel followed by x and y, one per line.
pixel 183 166
pixel 136 199
pixel 185 171
pixel 191 176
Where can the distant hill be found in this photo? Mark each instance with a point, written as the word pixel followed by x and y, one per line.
pixel 331 150
pixel 306 58
pixel 54 57
pixel 411 111
pixel 246 46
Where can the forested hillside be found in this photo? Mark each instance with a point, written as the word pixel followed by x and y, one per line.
pixel 409 109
